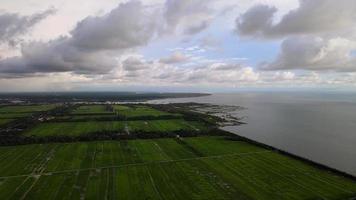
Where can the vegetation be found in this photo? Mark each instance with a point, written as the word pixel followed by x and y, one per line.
pixel 95 152
pixel 5 121
pixel 74 128
pixel 162 169
pixel 13 115
pixel 27 108
pixel 121 127
pixel 142 112
pixel 91 110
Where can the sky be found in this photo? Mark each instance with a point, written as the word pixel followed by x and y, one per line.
pixel 177 45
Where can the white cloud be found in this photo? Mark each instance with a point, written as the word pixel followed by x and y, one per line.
pixel 315 53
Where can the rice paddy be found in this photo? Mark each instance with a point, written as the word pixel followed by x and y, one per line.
pixel 203 167
pixel 162 169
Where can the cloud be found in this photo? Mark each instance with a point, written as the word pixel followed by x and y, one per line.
pixel 226 66
pixel 318 35
pixel 134 64
pixel 176 57
pixel 96 43
pixel 13 25
pixel 314 53
pixel 256 21
pixel 92 47
pixel 312 16
pixel 188 17
pixel 129 25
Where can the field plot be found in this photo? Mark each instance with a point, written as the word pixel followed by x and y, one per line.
pixel 91 110
pixel 165 125
pixel 87 118
pixel 162 169
pixel 13 115
pixel 75 128
pixel 5 121
pixel 26 109
pixel 138 111
pixel 83 128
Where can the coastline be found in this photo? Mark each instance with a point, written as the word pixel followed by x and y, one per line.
pixel 294 156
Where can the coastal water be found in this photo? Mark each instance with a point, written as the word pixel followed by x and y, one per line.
pixel 318 126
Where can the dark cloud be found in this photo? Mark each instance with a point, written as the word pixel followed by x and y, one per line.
pixel 96 42
pixel 312 16
pixel 256 21
pixel 127 26
pixel 318 35
pixel 133 64
pixel 91 48
pixel 13 25
pixel 188 17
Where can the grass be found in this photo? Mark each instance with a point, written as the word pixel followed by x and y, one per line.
pixel 91 110
pixel 164 125
pixel 5 121
pixel 189 168
pixel 163 169
pixel 74 128
pixel 140 111
pixel 83 128
pixel 91 117
pixel 13 115
pixel 207 146
pixel 26 109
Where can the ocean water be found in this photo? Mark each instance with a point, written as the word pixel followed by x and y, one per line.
pixel 320 126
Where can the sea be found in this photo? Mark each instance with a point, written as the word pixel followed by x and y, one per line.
pixel 319 126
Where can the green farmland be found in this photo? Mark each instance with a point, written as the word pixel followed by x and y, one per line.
pixel 91 110
pixel 83 128
pixel 162 169
pixel 13 115
pixel 91 117
pixel 67 159
pixel 5 121
pixel 140 111
pixel 26 109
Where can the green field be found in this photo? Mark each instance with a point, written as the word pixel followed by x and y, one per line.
pixel 91 110
pixel 74 128
pixel 13 112
pixel 140 111
pixel 5 121
pixel 191 168
pixel 204 167
pixel 91 117
pixel 26 109
pixel 164 125
pixel 83 128
pixel 13 115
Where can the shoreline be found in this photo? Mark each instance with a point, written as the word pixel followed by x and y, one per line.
pixel 300 158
